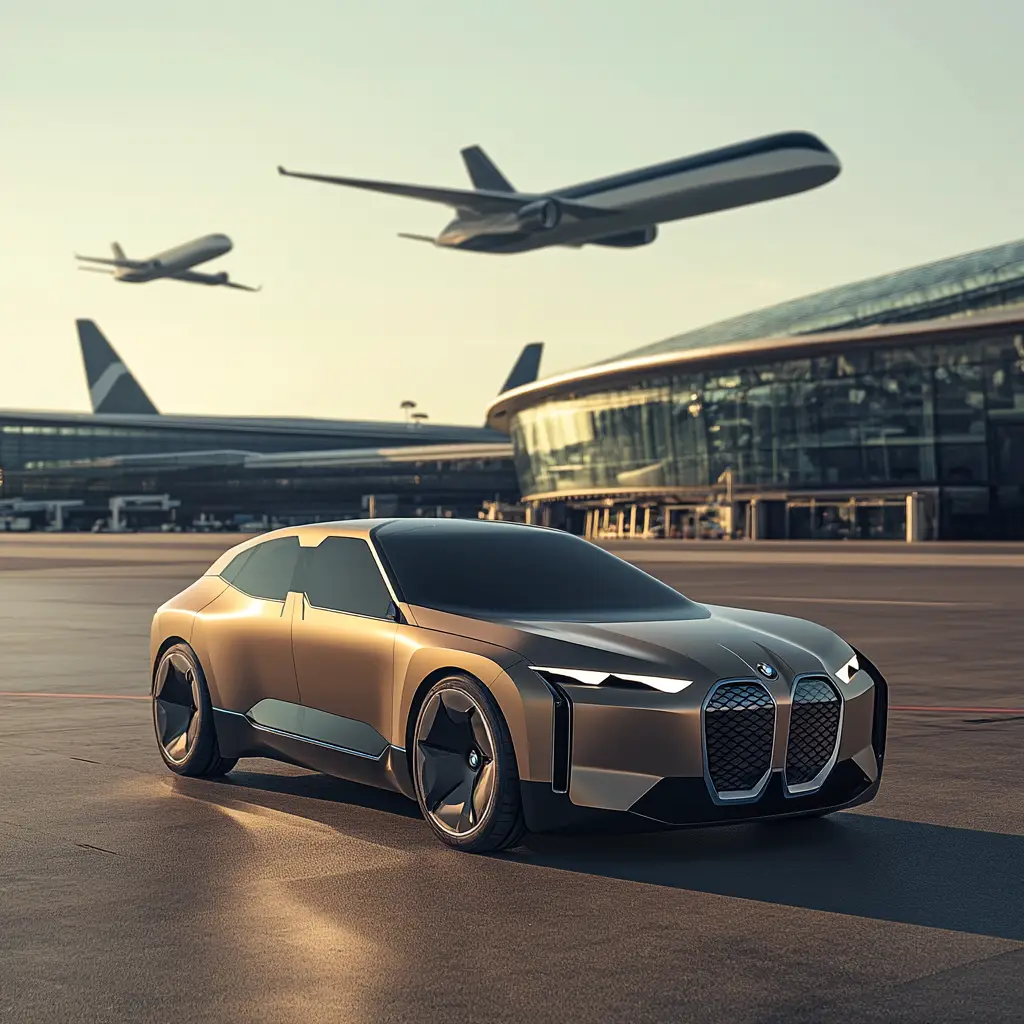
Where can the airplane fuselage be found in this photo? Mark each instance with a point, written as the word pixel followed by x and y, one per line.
pixel 174 261
pixel 750 172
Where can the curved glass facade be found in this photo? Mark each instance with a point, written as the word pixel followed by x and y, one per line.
pixel 987 279
pixel 900 415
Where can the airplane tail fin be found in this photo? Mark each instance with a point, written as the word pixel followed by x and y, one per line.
pixel 118 251
pixel 483 172
pixel 526 368
pixel 112 388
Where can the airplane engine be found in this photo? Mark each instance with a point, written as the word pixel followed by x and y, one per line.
pixel 628 239
pixel 221 278
pixel 543 215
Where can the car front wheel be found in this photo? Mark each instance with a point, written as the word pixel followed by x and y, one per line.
pixel 464 767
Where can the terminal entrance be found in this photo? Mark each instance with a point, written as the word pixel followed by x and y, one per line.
pixel 893 517
pixel 680 522
pixel 857 519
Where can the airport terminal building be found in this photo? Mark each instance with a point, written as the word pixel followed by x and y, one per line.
pixel 892 408
pixel 128 463
pixel 885 408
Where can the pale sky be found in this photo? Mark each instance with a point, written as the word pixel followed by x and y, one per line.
pixel 151 124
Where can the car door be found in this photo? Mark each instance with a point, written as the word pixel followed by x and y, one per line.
pixel 246 632
pixel 343 645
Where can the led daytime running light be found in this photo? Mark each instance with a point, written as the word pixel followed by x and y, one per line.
pixel 591 678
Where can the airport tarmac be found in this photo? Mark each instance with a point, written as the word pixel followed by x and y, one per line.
pixel 279 895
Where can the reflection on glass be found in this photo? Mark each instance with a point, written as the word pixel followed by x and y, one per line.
pixel 909 415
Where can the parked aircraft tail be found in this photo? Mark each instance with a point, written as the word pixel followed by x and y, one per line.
pixel 483 172
pixel 118 251
pixel 526 368
pixel 112 388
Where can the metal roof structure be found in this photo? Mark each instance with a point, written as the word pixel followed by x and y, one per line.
pixel 628 370
pixel 959 286
pixel 343 458
pixel 413 432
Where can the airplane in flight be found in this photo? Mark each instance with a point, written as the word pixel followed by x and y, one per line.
pixel 622 211
pixel 175 264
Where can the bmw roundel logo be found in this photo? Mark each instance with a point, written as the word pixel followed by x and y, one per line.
pixel 767 671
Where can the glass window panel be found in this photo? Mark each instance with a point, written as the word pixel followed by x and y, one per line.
pixel 268 572
pixel 960 401
pixel 545 574
pixel 848 363
pixel 885 359
pixel 841 464
pixel 1008 453
pixel 341 575
pixel 963 463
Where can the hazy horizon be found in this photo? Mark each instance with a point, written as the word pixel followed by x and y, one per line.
pixel 151 127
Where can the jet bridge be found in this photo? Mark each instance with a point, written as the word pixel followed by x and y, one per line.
pixel 134 503
pixel 17 514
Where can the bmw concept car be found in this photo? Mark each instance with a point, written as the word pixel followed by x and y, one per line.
pixel 509 678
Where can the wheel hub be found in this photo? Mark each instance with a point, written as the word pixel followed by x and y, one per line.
pixel 455 761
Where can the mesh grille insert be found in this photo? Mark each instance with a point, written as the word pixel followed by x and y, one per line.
pixel 739 726
pixel 813 730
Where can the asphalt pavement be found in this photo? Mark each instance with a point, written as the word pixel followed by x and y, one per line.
pixel 280 895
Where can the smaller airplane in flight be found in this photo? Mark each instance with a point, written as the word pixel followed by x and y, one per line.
pixel 175 264
pixel 622 211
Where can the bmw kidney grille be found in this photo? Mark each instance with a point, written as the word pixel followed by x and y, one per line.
pixel 739 729
pixel 739 732
pixel 813 731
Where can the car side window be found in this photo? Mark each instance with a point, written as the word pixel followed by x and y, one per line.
pixel 341 575
pixel 234 567
pixel 268 570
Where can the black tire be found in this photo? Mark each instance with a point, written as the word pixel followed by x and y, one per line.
pixel 186 735
pixel 442 733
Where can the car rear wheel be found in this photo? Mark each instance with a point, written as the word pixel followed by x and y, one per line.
pixel 464 767
pixel 183 716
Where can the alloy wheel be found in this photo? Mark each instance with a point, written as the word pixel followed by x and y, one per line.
pixel 177 707
pixel 455 761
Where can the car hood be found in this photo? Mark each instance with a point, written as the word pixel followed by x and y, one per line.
pixel 719 643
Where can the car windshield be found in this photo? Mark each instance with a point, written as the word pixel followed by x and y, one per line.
pixel 502 570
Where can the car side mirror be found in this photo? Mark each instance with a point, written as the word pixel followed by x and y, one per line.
pixel 394 613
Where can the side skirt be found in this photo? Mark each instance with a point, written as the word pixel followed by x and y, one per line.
pixel 239 736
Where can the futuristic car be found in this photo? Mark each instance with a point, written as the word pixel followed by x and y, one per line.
pixel 509 678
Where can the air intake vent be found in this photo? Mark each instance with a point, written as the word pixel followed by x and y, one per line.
pixel 813 733
pixel 739 730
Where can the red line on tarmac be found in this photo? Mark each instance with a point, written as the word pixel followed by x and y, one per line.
pixel 74 696
pixel 986 711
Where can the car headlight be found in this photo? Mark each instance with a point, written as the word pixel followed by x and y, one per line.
pixel 846 673
pixel 589 678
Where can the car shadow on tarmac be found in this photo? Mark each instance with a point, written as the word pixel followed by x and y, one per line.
pixel 883 868
pixel 336 793
pixel 888 869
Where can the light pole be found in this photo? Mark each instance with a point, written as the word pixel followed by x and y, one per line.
pixel 407 406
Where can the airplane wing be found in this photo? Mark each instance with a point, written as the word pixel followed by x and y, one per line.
pixel 481 201
pixel 418 238
pixel 106 261
pixel 194 277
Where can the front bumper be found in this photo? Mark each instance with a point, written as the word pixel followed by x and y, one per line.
pixel 644 755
